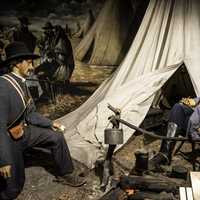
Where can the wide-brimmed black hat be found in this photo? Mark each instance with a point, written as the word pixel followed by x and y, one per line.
pixel 24 20
pixel 17 50
pixel 48 25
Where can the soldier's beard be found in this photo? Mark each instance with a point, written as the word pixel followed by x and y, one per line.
pixel 30 73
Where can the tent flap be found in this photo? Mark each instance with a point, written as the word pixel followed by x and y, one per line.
pixel 169 35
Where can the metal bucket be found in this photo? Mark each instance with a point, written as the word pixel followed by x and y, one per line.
pixel 113 136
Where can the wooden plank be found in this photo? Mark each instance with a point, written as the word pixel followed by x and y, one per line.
pixel 182 193
pixel 195 182
pixel 185 193
pixel 189 193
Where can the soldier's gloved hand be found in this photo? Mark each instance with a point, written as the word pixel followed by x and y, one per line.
pixel 188 101
pixel 58 127
pixel 5 171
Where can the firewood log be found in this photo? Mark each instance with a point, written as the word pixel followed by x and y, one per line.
pixel 143 183
pixel 152 196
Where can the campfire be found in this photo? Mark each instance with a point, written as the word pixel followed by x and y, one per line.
pixel 141 182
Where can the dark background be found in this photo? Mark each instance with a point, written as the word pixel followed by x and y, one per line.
pixel 43 7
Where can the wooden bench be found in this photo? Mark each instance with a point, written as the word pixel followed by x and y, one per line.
pixel 193 192
pixel 185 193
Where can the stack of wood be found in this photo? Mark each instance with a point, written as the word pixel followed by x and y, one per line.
pixel 150 187
pixel 145 187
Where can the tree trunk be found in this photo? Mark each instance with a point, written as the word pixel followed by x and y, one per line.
pixel 88 22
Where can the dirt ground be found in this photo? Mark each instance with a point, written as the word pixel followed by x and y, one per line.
pixel 40 183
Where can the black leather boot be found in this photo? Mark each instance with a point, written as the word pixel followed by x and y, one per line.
pixel 164 156
pixel 167 146
pixel 71 179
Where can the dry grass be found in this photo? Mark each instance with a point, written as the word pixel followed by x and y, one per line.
pixel 85 80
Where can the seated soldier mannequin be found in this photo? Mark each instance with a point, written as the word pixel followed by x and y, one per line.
pixel 21 127
pixel 184 118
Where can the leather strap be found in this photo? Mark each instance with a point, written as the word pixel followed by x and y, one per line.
pixel 19 90
pixel 17 87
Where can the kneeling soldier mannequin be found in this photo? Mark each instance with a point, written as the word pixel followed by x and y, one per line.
pixel 21 127
pixel 184 118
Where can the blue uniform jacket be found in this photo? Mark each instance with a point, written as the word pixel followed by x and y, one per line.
pixel 11 106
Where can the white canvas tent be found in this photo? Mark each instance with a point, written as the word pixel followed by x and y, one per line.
pixel 168 36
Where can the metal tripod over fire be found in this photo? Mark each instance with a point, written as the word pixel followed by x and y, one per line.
pixel 114 136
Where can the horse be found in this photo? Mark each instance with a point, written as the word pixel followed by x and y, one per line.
pixel 57 62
